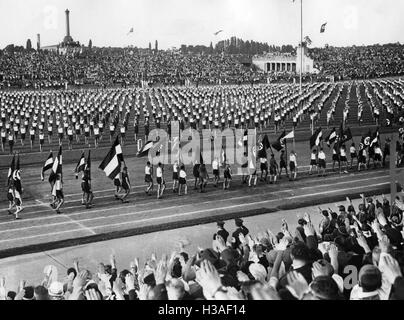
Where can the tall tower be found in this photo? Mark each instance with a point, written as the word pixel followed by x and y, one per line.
pixel 38 42
pixel 156 47
pixel 68 40
pixel 67 23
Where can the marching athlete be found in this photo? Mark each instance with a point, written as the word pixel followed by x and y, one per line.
pixel 322 161
pixel 195 172
pixel 354 154
pixel 313 161
pixel 203 177
pixel 182 181
pixel 117 184
pixel 264 168
pixel 57 193
pixel 125 184
pixel 88 195
pixel 175 176
pixel 161 184
pixel 216 174
pixel 273 170
pixel 148 170
pixel 283 164
pixel 293 166
pixel 227 177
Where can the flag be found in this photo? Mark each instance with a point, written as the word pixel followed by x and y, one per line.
pixel 322 30
pixel 145 149
pixel 11 170
pixel 308 40
pixel 374 139
pixel 130 31
pixel 290 135
pixel 279 144
pixel 88 162
pixel 56 167
pixel 111 165
pixel 48 165
pixel 17 181
pixel 316 138
pixel 80 165
pixel 330 139
pixel 217 32
pixel 263 146
pixel 366 139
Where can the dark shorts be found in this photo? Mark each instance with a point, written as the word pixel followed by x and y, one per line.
pixel 272 171
pixel 227 175
pixel 59 194
pixel 216 173
pixel 353 155
pixel 22 136
pixel 292 166
pixel 335 157
pixel 32 138
pixel 343 159
pixel 362 159
pixel 282 165
pixel 61 135
pixel 378 157
pixel 182 181
pixel 125 186
pixel 70 138
pixel 321 163
pixel 313 162
pixel 87 134
pixel 10 196
pixel 264 167
pixel 175 175
pixel 148 178
pixel 159 180
pixel 41 141
pixel 85 187
pixel 117 182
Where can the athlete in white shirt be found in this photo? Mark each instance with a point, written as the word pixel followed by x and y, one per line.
pixel 161 185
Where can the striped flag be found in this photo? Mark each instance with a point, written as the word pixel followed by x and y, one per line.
pixel 331 138
pixel 322 29
pixel 17 182
pixel 80 165
pixel 145 149
pixel 56 167
pixel 47 166
pixel 375 138
pixel 11 170
pixel 88 164
pixel 111 165
pixel 316 138
pixel 279 144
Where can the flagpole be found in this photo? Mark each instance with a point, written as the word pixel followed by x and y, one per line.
pixel 294 142
pixel 301 43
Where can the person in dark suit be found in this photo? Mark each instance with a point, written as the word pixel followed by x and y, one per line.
pixel 240 229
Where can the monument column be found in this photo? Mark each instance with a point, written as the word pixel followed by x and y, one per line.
pixel 67 23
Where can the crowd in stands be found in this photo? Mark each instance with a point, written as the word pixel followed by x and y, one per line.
pixel 103 67
pixel 360 62
pixel 130 66
pixel 353 254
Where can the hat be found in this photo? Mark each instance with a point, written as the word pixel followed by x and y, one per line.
pixel 258 271
pixel 220 223
pixel 341 208
pixel 56 289
pixel 238 222
pixel 325 213
pixel 370 278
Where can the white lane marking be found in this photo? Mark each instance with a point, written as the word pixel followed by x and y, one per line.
pixel 151 203
pixel 78 222
pixel 189 213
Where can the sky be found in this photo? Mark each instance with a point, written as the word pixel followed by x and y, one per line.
pixel 192 22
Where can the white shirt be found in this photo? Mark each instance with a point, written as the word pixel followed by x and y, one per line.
pixel 292 158
pixel 159 172
pixel 321 155
pixel 147 170
pixel 183 174
pixel 352 150
pixel 215 165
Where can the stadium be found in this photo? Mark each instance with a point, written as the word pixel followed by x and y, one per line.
pixel 235 171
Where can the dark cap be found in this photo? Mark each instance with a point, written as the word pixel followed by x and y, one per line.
pixel 238 222
pixel 220 223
